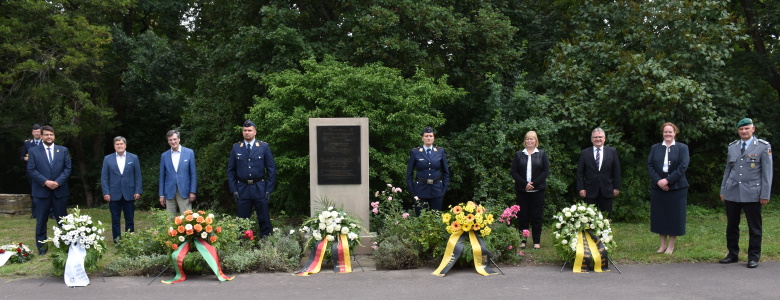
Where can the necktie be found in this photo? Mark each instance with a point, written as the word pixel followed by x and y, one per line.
pixel 598 157
pixel 428 151
pixel 743 148
pixel 50 158
pixel 248 146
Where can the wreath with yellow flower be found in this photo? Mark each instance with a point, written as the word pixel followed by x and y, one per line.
pixel 468 217
pixel 191 226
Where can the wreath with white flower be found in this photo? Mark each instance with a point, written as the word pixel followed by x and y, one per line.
pixel 21 253
pixel 571 220
pixel 76 228
pixel 329 224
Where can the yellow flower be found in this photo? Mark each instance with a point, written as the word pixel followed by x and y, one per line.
pixel 480 209
pixel 485 231
pixel 466 227
pixel 470 207
pixel 460 218
pixel 445 218
pixel 489 219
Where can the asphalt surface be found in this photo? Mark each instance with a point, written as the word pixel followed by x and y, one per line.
pixel 658 281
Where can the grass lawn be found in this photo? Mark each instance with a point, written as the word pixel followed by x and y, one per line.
pixel 704 242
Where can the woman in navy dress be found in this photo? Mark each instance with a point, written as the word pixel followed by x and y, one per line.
pixel 667 164
pixel 432 173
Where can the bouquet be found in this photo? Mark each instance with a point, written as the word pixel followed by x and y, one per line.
pixel 21 253
pixel 469 217
pixel 572 220
pixel 330 223
pixel 191 226
pixel 79 229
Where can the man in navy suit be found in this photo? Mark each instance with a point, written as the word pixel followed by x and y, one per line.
pixel 598 173
pixel 121 182
pixel 178 176
pixel 29 144
pixel 251 177
pixel 49 168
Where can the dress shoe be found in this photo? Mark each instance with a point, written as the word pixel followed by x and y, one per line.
pixel 752 264
pixel 41 252
pixel 728 260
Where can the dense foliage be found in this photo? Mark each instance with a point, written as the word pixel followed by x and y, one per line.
pixel 481 72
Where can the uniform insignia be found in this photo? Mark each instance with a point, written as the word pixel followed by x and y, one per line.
pixel 241 145
pixel 257 144
pixel 753 165
pixel 769 151
pixel 419 149
pixel 752 155
pixel 58 150
pixel 763 141
pixel 435 149
pixel 734 142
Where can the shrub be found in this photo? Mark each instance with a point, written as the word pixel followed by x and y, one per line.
pixel 395 253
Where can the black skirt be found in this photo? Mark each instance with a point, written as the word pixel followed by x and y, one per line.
pixel 668 211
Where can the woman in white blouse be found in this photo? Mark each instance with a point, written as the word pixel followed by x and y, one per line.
pixel 530 168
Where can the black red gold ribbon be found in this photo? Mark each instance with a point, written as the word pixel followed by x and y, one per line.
pixel 339 251
pixel 590 254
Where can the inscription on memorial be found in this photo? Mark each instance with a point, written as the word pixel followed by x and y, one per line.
pixel 338 154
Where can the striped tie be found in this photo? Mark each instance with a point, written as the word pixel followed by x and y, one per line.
pixel 598 157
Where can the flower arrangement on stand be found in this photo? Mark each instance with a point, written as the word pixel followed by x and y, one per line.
pixel 198 230
pixel 77 229
pixel 19 253
pixel 581 224
pixel 470 221
pixel 331 225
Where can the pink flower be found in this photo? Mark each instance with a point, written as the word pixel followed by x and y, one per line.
pixel 405 215
pixel 375 204
pixel 526 233
pixel 520 252
pixel 389 198
pixel 510 247
pixel 375 210
pixel 509 213
pixel 389 185
pixel 376 194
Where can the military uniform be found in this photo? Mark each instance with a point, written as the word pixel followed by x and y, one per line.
pixel 432 176
pixel 252 175
pixel 29 144
pixel 746 180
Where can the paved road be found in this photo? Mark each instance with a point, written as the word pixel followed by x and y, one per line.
pixel 660 281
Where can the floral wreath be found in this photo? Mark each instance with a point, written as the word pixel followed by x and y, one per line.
pixel 579 217
pixel 21 253
pixel 76 228
pixel 468 217
pixel 190 226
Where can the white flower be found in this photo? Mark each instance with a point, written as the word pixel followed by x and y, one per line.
pixel 322 226
pixel 564 242
pixel 352 235
pixel 573 208
pixel 558 225
pixel 317 237
pixel 353 225
pixel 334 214
pixel 276 229
pixel 188 226
pixel 337 227
pixel 330 238
pixel 329 229
pixel 567 214
pixel 389 185
pixel 584 219
pixel 581 208
pixel 330 207
pixel 292 231
pixel 344 230
pixel 195 215
pixel 181 238
pixel 211 216
pixel 204 235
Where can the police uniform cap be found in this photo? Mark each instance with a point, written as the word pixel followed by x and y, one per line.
pixel 36 127
pixel 745 121
pixel 248 123
pixel 427 129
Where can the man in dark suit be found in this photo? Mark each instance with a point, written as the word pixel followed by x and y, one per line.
pixel 746 186
pixel 49 168
pixel 251 176
pixel 598 173
pixel 24 156
pixel 178 176
pixel 121 183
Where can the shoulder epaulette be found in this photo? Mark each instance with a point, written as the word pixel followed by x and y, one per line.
pixel 419 149
pixel 264 142
pixel 734 142
pixel 763 141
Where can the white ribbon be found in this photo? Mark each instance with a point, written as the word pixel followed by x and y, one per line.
pixel 5 256
pixel 75 274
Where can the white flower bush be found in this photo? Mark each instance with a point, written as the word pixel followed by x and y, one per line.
pixel 571 220
pixel 77 228
pixel 329 224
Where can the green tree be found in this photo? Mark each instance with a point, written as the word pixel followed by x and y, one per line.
pixel 397 108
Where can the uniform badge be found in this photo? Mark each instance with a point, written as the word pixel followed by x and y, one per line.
pixel 753 165
pixel 241 145
pixel 435 150
pixel 257 144
pixel 420 149
pixel 58 150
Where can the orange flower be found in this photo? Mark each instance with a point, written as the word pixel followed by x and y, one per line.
pixel 190 232
pixel 480 209
pixel 208 228
pixel 188 218
pixel 209 220
pixel 197 227
pixel 174 246
pixel 172 232
pixel 456 226
pixel 200 219
pixel 475 227
pixel 200 212
pixel 219 229
pixel 177 220
pixel 457 210
pixel 470 218
pixel 168 243
pixel 180 229
pixel 213 238
pixel 188 212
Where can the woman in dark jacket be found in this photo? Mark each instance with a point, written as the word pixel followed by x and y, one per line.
pixel 667 164
pixel 530 168
pixel 427 173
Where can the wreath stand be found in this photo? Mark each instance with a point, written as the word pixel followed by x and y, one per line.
pixel 608 259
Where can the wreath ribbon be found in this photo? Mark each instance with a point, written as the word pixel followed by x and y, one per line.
pixel 208 252
pixel 455 248
pixel 590 254
pixel 341 259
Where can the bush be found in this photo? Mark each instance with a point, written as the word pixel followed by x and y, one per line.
pixel 394 253
pixel 504 243
pixel 145 265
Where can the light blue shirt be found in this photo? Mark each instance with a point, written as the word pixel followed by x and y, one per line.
pixel 747 143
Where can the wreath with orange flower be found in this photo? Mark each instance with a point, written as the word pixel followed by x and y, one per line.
pixel 191 226
pixel 468 217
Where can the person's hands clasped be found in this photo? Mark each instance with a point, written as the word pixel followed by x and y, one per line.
pixel 529 186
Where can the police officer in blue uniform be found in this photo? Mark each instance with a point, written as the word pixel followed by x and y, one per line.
pixel 746 186
pixel 24 156
pixel 433 173
pixel 251 176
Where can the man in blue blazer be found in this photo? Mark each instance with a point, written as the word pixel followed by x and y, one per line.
pixel 598 173
pixel 178 178
pixel 48 166
pixel 121 182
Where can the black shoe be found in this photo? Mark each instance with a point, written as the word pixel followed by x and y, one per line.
pixel 752 264
pixel 728 260
pixel 41 252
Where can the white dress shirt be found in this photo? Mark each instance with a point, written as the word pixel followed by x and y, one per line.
pixel 120 162
pixel 175 156
pixel 528 166
pixel 666 156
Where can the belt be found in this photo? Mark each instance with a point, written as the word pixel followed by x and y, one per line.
pixel 430 181
pixel 251 181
